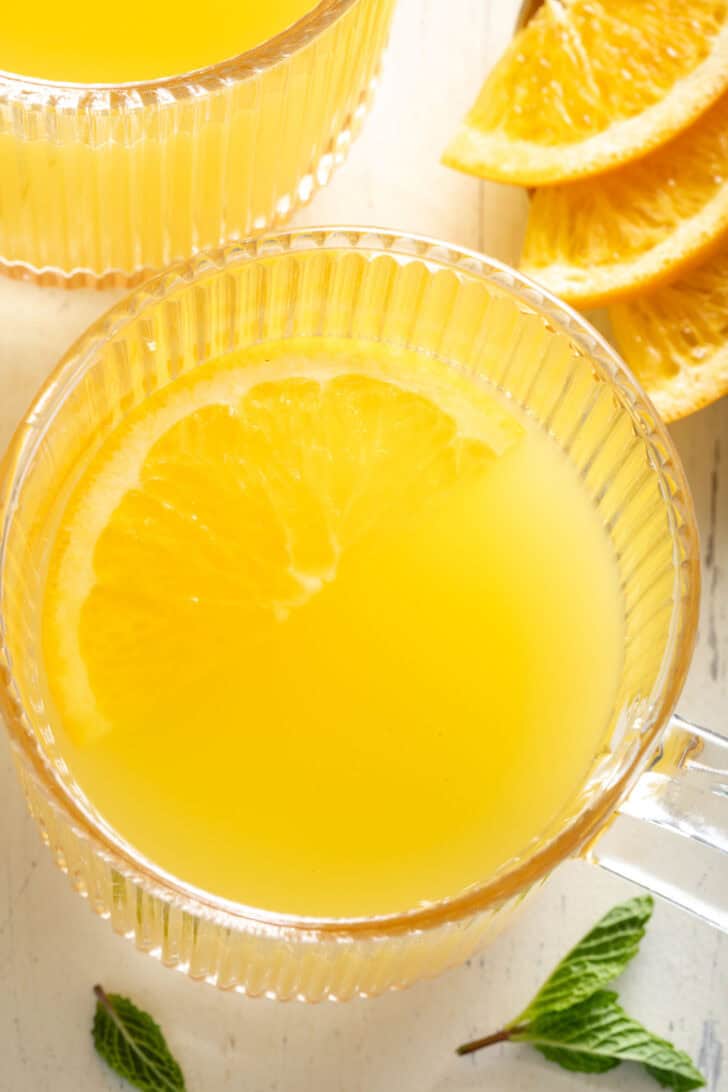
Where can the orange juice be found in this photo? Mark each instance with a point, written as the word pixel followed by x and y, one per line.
pixel 104 176
pixel 330 629
pixel 83 42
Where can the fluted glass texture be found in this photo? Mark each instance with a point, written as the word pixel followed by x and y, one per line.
pixel 405 292
pixel 100 184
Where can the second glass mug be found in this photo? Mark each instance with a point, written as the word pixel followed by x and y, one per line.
pixel 102 183
pixel 653 807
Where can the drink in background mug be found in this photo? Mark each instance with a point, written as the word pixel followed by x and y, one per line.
pixel 104 181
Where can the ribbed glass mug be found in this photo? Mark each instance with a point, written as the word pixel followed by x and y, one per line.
pixel 473 313
pixel 100 183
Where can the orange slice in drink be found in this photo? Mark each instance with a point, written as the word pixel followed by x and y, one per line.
pixel 234 492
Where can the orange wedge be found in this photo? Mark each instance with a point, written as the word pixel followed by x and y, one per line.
pixel 608 238
pixel 589 85
pixel 675 339
pixel 228 500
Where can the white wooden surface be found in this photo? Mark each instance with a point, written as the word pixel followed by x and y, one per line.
pixel 52 949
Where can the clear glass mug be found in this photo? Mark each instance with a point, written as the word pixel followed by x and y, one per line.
pixel 100 183
pixel 656 778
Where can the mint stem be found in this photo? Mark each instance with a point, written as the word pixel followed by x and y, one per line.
pixel 103 999
pixel 490 1040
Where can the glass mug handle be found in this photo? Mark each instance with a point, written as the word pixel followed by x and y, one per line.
pixel 671 833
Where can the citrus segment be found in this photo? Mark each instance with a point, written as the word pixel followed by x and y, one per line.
pixel 607 238
pixel 588 85
pixel 675 339
pixel 236 492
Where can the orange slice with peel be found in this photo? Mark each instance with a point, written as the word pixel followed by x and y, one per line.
pixel 589 85
pixel 675 339
pixel 225 502
pixel 609 238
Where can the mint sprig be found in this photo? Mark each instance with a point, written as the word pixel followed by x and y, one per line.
pixel 132 1044
pixel 579 1025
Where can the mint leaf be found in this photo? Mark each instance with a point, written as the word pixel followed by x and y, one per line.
pixel 597 959
pixel 677 1079
pixel 582 1027
pixel 132 1044
pixel 597 1034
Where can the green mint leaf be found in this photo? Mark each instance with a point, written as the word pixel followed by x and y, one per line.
pixel 597 959
pixel 578 1062
pixel 132 1044
pixel 677 1080
pixel 597 1034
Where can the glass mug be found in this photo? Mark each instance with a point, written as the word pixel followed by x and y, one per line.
pixel 655 779
pixel 100 183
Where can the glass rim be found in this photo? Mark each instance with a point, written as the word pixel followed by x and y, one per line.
pixel 517 875
pixel 183 85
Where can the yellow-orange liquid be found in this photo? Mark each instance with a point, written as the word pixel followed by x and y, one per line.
pixel 82 41
pixel 113 182
pixel 347 643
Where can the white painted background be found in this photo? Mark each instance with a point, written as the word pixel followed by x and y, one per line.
pixel 52 949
